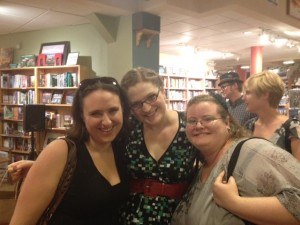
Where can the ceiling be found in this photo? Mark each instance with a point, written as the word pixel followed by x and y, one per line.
pixel 221 31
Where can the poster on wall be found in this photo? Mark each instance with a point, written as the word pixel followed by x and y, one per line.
pixel 50 49
pixel 6 57
pixel 294 8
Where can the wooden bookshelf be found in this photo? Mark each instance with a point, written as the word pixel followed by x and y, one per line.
pixel 180 86
pixel 20 86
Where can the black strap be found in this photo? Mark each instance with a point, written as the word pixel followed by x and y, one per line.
pixel 287 141
pixel 234 158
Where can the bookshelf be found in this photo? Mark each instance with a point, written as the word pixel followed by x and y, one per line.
pixel 35 85
pixel 180 86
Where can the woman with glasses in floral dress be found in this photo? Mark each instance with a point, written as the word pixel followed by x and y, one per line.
pixel 159 158
pixel 99 185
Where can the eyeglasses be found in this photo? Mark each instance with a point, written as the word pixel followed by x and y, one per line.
pixel 105 80
pixel 206 121
pixel 224 86
pixel 149 100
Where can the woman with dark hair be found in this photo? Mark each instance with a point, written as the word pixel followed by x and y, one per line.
pixel 99 185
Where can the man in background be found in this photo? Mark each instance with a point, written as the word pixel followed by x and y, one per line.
pixel 231 88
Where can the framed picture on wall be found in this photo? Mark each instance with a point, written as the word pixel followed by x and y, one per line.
pixel 72 58
pixel 50 49
pixel 294 8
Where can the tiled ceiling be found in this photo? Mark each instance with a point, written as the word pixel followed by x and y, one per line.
pixel 222 31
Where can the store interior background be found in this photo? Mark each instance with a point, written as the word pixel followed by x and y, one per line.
pixel 199 35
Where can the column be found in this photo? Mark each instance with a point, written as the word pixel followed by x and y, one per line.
pixel 256 59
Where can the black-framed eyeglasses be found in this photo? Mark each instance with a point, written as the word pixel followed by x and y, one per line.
pixel 206 121
pixel 224 86
pixel 149 100
pixel 105 80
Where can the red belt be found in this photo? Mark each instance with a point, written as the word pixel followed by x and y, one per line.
pixel 153 188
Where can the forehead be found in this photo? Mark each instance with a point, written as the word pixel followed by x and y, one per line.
pixel 140 91
pixel 102 99
pixel 201 109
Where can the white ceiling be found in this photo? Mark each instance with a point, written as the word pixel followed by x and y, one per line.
pixel 222 31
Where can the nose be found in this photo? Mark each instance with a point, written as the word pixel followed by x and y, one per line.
pixel 146 106
pixel 106 120
pixel 199 124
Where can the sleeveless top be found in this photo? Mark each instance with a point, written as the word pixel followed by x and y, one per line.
pixel 90 198
pixel 282 136
pixel 176 165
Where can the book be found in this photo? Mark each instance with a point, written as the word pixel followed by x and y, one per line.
pixel 28 60
pixel 69 98
pixel 46 97
pixel 57 97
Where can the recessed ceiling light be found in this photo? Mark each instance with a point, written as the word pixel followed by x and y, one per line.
pixel 292 33
pixel 288 62
pixel 248 33
pixel 245 67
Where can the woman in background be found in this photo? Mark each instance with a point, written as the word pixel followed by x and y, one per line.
pixel 263 92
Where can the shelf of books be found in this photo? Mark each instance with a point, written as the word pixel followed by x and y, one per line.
pixel 52 86
pixel 179 86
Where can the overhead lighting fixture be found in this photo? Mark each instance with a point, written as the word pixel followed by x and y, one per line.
pixel 292 33
pixel 270 37
pixel 245 67
pixel 288 62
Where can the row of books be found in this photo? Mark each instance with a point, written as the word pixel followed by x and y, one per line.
pixel 13 112
pixel 56 120
pixel 56 97
pixel 67 79
pixel 12 128
pixel 17 81
pixel 19 97
pixel 19 144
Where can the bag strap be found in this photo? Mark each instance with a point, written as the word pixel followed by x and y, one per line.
pixel 234 158
pixel 63 184
pixel 287 141
pixel 233 161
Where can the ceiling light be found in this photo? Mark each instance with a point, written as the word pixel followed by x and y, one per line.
pixel 245 67
pixel 288 62
pixel 248 33
pixel 293 33
pixel 264 38
pixel 279 42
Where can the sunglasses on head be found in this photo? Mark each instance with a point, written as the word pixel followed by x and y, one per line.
pixel 105 80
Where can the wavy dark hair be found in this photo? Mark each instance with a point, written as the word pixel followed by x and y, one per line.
pixel 78 131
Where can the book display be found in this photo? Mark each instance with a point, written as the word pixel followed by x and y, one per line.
pixel 53 86
pixel 180 86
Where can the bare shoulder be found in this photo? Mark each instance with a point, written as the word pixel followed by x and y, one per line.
pixel 54 153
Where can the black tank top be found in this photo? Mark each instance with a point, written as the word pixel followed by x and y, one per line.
pixel 90 198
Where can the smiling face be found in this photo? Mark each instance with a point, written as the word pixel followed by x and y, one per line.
pixel 102 114
pixel 211 132
pixel 150 111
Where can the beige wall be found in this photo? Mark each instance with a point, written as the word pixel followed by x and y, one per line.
pixel 83 38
